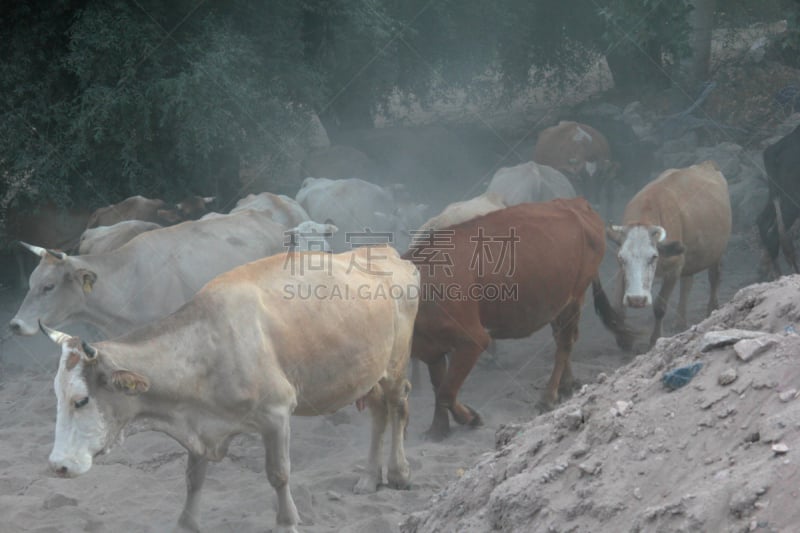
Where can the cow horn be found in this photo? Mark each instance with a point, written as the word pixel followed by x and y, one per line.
pixel 618 229
pixel 57 337
pixel 56 254
pixel 38 250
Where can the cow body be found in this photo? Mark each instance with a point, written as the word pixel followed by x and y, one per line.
pixel 107 238
pixel 676 226
pixel 240 357
pixel 578 151
pixel 149 210
pixel 530 182
pixel 458 212
pixel 147 278
pixel 782 163
pixel 354 206
pixel 282 209
pixel 541 258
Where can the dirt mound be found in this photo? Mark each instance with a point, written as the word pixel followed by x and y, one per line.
pixel 628 454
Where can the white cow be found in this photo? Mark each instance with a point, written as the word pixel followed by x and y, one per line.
pixel 310 236
pixel 107 238
pixel 356 206
pixel 147 278
pixel 530 182
pixel 458 212
pixel 282 209
pixel 242 356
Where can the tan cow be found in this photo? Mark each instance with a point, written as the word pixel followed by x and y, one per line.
pixel 676 226
pixel 466 210
pixel 246 353
pixel 578 151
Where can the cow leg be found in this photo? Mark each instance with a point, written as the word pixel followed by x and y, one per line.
pixel 462 361
pixel 619 293
pixel 276 441
pixel 660 306
pixel 373 476
pixel 713 282
pixel 440 427
pixel 415 373
pixel 785 237
pixel 686 287
pixel 196 467
pixel 565 333
pixel 398 473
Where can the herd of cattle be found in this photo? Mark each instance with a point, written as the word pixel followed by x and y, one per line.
pixel 207 342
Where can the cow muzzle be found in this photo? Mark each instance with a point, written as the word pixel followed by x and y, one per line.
pixel 18 327
pixel 636 302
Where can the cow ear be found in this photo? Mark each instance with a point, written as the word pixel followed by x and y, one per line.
pixel 671 248
pixel 86 278
pixel 209 199
pixel 129 382
pixel 615 234
pixel 658 233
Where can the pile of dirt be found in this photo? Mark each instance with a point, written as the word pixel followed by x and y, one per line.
pixel 629 454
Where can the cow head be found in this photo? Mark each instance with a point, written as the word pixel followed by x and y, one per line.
pixel 193 207
pixel 90 411
pixel 311 236
pixel 58 288
pixel 640 247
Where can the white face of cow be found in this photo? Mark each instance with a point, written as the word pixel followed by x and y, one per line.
pixel 82 431
pixel 639 252
pixel 57 291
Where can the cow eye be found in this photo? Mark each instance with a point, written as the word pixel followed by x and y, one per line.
pixel 48 288
pixel 653 259
pixel 80 403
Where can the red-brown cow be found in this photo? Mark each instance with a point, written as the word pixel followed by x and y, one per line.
pixel 581 153
pixel 150 210
pixel 506 275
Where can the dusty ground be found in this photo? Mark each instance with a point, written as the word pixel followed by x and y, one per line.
pixel 139 486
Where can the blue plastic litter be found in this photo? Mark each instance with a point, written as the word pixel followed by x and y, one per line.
pixel 678 377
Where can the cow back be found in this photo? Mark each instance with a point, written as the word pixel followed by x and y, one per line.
pixel 543 255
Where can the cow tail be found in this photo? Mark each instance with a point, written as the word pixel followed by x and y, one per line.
pixel 784 238
pixel 611 318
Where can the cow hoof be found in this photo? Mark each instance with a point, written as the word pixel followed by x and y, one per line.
pixel 566 390
pixel 368 484
pixel 187 523
pixel 399 479
pixel 436 434
pixel 546 404
pixel 474 419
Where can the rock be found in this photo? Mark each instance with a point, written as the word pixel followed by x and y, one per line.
pixel 727 377
pixel 573 419
pixel 746 349
pixel 780 448
pixel 788 395
pixel 622 407
pixel 333 496
pixel 590 469
pixel 602 377
pixel 59 500
pixel 726 337
pixel 637 493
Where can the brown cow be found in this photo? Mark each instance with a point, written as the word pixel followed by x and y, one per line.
pixel 580 152
pixel 541 258
pixel 149 210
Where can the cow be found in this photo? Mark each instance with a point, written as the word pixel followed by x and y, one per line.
pixel 358 207
pixel 283 210
pixel 54 227
pixel 107 238
pixel 147 278
pixel 465 210
pixel 506 275
pixel 240 357
pixel 678 225
pixel 310 236
pixel 580 152
pixel 782 163
pixel 149 210
pixel 530 182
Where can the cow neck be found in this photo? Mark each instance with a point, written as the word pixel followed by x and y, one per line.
pixel 178 402
pixel 106 301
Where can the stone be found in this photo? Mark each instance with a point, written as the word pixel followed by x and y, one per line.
pixel 780 448
pixel 747 349
pixel 59 500
pixel 788 395
pixel 726 337
pixel 727 377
